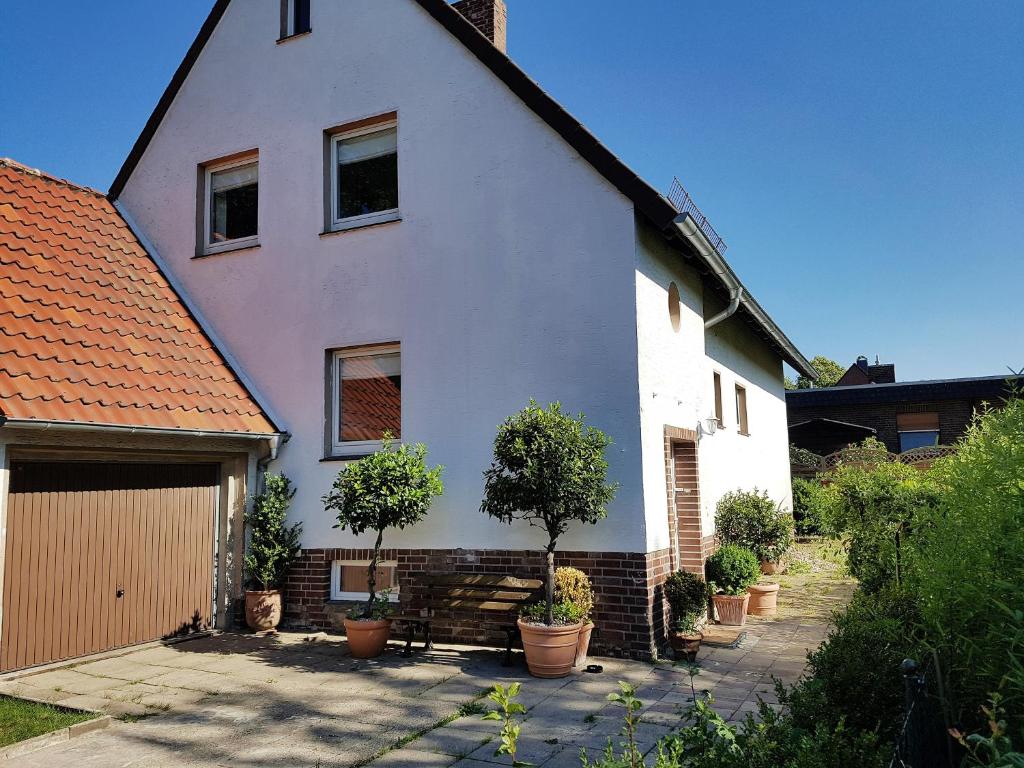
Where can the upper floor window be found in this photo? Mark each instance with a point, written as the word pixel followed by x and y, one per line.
pixel 719 410
pixel 294 17
pixel 366 398
pixel 230 197
pixel 364 174
pixel 741 410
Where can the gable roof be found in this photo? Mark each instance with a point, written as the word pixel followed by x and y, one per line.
pixel 90 330
pixel 653 205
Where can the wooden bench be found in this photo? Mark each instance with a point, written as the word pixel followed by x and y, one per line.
pixel 499 597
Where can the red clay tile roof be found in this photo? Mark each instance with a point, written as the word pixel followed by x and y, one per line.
pixel 90 331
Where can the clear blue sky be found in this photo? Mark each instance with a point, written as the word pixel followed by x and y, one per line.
pixel 864 161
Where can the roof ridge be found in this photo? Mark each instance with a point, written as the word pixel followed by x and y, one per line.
pixel 14 165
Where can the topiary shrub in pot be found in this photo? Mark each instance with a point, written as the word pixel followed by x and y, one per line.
pixel 391 488
pixel 573 585
pixel 687 596
pixel 549 469
pixel 751 520
pixel 730 572
pixel 272 549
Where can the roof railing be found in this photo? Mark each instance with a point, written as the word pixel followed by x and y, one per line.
pixel 683 203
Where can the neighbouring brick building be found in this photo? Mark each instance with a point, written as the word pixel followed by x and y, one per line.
pixel 903 415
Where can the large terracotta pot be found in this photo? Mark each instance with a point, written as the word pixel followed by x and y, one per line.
pixel 771 567
pixel 763 600
pixel 263 610
pixel 367 639
pixel 731 609
pixel 583 646
pixel 550 651
pixel 686 644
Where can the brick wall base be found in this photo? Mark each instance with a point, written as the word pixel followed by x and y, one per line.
pixel 630 611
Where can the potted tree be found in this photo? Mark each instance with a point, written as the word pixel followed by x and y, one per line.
pixel 687 596
pixel 730 572
pixel 391 488
pixel 751 520
pixel 273 547
pixel 573 585
pixel 549 469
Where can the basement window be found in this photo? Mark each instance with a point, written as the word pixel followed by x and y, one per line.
pixel 294 18
pixel 348 579
pixel 230 205
pixel 363 171
pixel 366 398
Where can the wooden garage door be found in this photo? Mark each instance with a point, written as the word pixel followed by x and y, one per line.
pixel 100 556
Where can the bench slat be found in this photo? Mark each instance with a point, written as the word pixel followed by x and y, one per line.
pixel 489 594
pixel 483 605
pixel 483 580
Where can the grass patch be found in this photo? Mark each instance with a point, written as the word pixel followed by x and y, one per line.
pixel 20 719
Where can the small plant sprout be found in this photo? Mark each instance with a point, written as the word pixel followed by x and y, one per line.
pixel 506 713
pixel 626 697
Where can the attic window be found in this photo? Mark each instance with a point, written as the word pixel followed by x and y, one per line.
pixel 294 18
pixel 229 205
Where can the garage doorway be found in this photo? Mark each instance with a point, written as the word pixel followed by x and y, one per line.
pixel 100 556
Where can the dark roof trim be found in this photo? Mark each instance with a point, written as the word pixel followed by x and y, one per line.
pixel 177 80
pixel 648 201
pixel 809 422
pixel 992 388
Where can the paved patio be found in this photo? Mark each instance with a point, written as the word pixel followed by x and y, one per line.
pixel 300 701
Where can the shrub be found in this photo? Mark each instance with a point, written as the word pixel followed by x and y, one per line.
pixel 687 596
pixel 811 501
pixel 391 488
pixel 749 519
pixel 548 469
pixel 732 570
pixel 573 585
pixel 273 546
pixel 854 677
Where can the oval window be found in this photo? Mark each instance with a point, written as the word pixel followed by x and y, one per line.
pixel 673 305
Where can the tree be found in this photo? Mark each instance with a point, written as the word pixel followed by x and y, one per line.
pixel 549 469
pixel 273 546
pixel 391 488
pixel 829 373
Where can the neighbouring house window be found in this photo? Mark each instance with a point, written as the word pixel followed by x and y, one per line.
pixel 364 175
pixel 294 17
pixel 719 410
pixel 367 398
pixel 917 430
pixel 231 205
pixel 348 579
pixel 741 410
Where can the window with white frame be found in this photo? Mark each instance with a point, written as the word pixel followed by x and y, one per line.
pixel 231 205
pixel 294 17
pixel 364 175
pixel 366 398
pixel 349 579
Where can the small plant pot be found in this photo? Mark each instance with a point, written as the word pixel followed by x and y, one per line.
pixel 731 609
pixel 686 644
pixel 771 567
pixel 583 646
pixel 367 639
pixel 763 600
pixel 263 610
pixel 550 651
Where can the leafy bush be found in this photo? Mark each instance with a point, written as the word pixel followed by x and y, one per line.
pixel 687 596
pixel 854 677
pixel 391 488
pixel 811 502
pixel 563 612
pixel 877 509
pixel 573 585
pixel 548 469
pixel 732 570
pixel 751 520
pixel 273 546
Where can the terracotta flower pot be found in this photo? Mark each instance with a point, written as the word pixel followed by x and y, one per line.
pixel 550 651
pixel 763 600
pixel 731 609
pixel 367 639
pixel 263 610
pixel 771 567
pixel 686 644
pixel 583 646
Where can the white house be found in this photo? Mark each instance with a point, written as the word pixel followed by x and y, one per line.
pixel 390 226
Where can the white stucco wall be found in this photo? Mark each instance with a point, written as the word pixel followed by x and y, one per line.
pixel 509 277
pixel 677 389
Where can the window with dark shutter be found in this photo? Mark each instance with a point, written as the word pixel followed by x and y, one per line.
pixel 295 19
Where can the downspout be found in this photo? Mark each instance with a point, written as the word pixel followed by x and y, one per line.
pixel 688 228
pixel 735 294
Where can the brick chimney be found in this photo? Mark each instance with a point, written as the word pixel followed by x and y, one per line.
pixel 490 17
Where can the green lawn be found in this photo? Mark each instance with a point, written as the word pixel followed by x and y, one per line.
pixel 20 720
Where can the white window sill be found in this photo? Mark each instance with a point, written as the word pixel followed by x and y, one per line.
pixel 369 220
pixel 229 247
